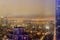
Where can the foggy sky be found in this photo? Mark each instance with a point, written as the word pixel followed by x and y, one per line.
pixel 27 8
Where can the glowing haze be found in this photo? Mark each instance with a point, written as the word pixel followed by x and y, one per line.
pixel 27 8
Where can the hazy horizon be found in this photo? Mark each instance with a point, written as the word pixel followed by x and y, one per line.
pixel 27 8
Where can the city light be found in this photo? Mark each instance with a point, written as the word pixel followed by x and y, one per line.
pixel 40 27
pixel 47 27
pixel 18 25
pixel 2 17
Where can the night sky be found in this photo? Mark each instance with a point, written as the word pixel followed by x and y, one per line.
pixel 27 8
